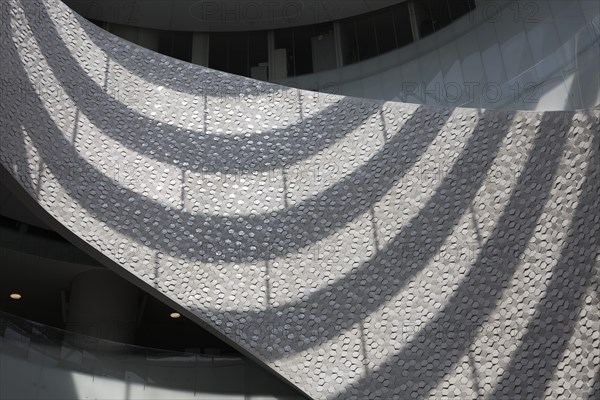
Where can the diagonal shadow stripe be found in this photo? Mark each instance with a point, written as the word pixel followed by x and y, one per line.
pixel 478 155
pixel 536 360
pixel 224 238
pixel 198 151
pixel 431 354
pixel 525 206
pixel 369 286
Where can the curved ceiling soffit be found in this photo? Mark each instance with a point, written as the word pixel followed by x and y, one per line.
pixel 224 15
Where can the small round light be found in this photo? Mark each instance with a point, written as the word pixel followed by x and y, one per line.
pixel 15 296
pixel 174 315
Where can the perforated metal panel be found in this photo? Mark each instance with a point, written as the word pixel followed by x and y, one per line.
pixel 360 249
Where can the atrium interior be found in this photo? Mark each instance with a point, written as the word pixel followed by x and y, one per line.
pixel 296 199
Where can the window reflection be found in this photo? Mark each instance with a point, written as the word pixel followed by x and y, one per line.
pixel 241 53
pixel 433 15
pixel 376 33
pixel 304 50
pixel 314 48
pixel 176 44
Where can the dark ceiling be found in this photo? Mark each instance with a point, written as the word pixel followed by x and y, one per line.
pixel 223 15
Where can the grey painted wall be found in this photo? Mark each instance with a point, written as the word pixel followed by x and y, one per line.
pixel 361 249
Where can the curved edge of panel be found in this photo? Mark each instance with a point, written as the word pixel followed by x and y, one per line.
pixel 28 201
pixel 428 219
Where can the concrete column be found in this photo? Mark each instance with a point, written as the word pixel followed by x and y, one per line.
pixel 200 48
pixel 102 305
pixel 339 59
pixel 414 20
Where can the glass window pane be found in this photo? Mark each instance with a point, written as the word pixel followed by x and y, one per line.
pixel 175 44
pixel 217 51
pixel 258 48
pixel 284 40
pixel 348 42
pixel 323 48
pixel 303 50
pixel 165 45
pixel 402 25
pixel 441 13
pixel 433 15
pixel 458 8
pixel 424 18
pixel 182 45
pixel 384 28
pixel 367 41
pixel 238 54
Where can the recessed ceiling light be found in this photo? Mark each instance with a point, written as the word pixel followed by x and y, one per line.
pixel 174 315
pixel 15 296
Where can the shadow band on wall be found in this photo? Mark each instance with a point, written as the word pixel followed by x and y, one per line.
pixel 477 296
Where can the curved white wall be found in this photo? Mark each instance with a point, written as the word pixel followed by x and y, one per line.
pixel 361 249
pixel 521 55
